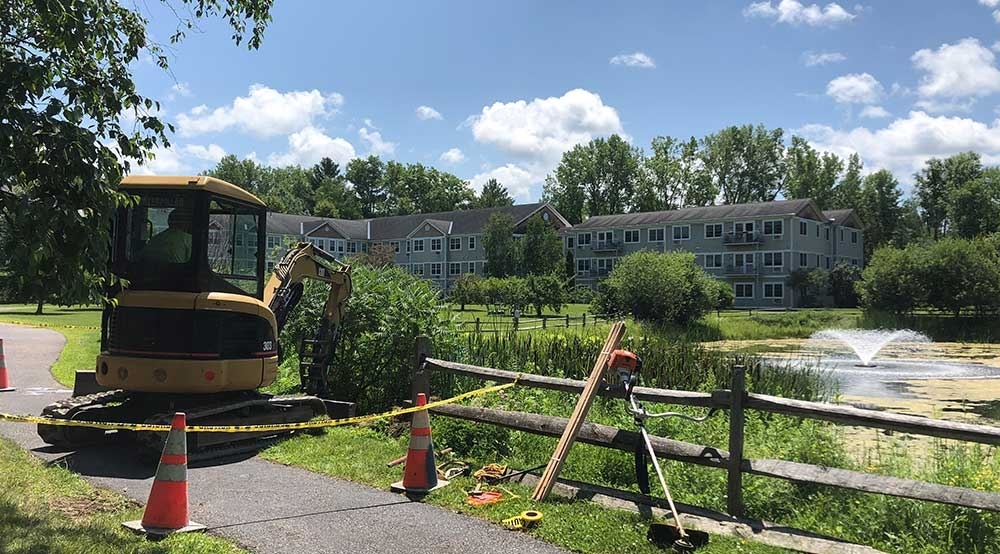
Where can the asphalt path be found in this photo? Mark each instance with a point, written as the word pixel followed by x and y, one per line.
pixel 263 506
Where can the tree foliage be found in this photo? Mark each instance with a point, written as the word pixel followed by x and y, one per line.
pixel 499 247
pixel 843 277
pixel 541 248
pixel 494 195
pixel 71 122
pixel 974 207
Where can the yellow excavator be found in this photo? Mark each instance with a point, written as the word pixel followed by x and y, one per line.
pixel 195 326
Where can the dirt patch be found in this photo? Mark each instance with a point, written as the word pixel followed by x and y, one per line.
pixel 98 501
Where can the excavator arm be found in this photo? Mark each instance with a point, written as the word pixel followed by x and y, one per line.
pixel 283 293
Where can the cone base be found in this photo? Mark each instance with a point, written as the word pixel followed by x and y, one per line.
pixel 398 487
pixel 7 389
pixel 157 532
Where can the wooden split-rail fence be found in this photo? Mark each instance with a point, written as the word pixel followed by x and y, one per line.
pixel 736 401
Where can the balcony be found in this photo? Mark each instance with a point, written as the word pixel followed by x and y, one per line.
pixel 738 238
pixel 606 246
pixel 746 269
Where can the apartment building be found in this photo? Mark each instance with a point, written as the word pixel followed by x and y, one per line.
pixel 440 247
pixel 754 247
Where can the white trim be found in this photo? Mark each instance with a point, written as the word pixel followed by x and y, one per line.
pixel 763 226
pixel 722 230
pixel 673 235
pixel 764 288
pixel 744 284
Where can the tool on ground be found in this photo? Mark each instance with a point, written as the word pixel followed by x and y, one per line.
pixel 167 507
pixel 4 380
pixel 524 520
pixel 628 365
pixel 548 479
pixel 482 498
pixel 419 473
pixel 402 459
pixel 509 476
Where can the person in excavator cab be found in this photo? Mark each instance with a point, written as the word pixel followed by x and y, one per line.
pixel 173 244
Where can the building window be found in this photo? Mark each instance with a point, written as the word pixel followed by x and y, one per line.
pixel 803 228
pixel 827 233
pixel 713 261
pixel 655 235
pixel 472 243
pixel 435 269
pixel 454 243
pixel 339 243
pixel 803 260
pixel 436 245
pixel 394 244
pixel 605 236
pixel 418 246
pixel 817 260
pixel 239 239
pixel 744 261
pixel 605 265
pixel 418 269
pixel 774 290
pixel 583 240
pixel 827 262
pixel 773 259
pixel 682 232
pixel 773 227
pixel 841 235
pixel 454 268
pixel 854 261
pixel 472 267
pixel 252 239
pixel 631 235
pixel 352 247
pixel 570 242
pixel 583 267
pixel 743 290
pixel 817 230
pixel 743 227
pixel 713 230
pixel 854 237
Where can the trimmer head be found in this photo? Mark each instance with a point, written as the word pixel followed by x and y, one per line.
pixel 665 535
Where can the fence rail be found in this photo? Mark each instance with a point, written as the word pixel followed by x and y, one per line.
pixel 735 404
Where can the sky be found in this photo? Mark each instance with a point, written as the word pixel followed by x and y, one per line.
pixel 502 89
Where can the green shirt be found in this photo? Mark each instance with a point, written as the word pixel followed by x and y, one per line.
pixel 169 246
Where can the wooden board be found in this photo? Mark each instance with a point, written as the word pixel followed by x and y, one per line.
pixel 579 413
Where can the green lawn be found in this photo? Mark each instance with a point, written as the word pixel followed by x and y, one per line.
pixel 80 326
pixel 52 510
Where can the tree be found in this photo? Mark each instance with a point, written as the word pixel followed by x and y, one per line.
pixel 892 281
pixel 662 186
pixel 664 287
pixel 366 175
pixel 935 183
pixel 746 164
pixel 597 178
pixel 541 248
pixel 546 291
pixel 847 195
pixel 810 174
pixel 910 228
pixel 494 195
pixel 810 284
pixel 67 90
pixel 879 209
pixel 246 174
pixel 843 277
pixel 468 289
pixel 499 247
pixel 974 208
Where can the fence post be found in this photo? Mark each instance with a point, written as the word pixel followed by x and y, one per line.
pixel 734 485
pixel 477 325
pixel 567 321
pixel 584 320
pixel 421 375
pixel 543 322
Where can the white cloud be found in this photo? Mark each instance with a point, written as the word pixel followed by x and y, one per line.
pixel 956 71
pixel 811 59
pixel 212 153
pixel 518 180
pixel 855 88
pixel 990 3
pixel 179 89
pixel 426 112
pixel 370 124
pixel 166 161
pixel 542 129
pixel 906 143
pixel 934 105
pixel 376 145
pixel 263 112
pixel 309 146
pixel 635 59
pixel 453 156
pixel 874 112
pixel 795 13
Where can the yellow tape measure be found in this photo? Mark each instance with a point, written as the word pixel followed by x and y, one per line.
pixel 251 428
pixel 524 520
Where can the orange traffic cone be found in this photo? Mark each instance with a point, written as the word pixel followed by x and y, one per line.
pixel 4 381
pixel 167 508
pixel 420 473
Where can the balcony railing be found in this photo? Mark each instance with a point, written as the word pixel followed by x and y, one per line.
pixel 746 269
pixel 742 237
pixel 606 246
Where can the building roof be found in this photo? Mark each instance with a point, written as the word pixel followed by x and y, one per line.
pixel 804 207
pixel 847 217
pixel 457 222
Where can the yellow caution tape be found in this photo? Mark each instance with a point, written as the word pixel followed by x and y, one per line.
pixel 252 428
pixel 40 324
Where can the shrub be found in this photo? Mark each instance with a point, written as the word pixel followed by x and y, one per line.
pixel 546 291
pixel 811 285
pixel 843 276
pixel 386 312
pixel 468 289
pixel 657 287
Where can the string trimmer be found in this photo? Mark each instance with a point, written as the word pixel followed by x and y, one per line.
pixel 628 365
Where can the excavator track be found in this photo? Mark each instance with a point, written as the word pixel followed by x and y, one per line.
pixel 246 408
